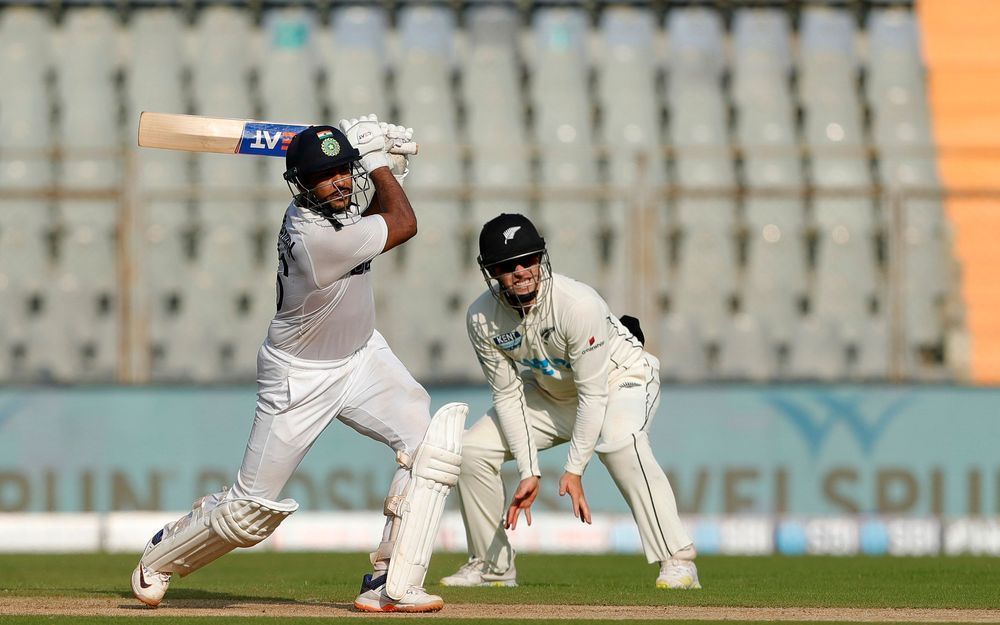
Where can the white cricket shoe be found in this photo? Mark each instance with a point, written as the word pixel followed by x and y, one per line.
pixel 374 599
pixel 148 585
pixel 477 572
pixel 678 574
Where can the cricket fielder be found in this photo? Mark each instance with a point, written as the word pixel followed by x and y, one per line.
pixel 588 381
pixel 322 360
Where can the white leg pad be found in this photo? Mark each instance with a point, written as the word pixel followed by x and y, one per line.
pixel 433 472
pixel 214 527
pixel 647 491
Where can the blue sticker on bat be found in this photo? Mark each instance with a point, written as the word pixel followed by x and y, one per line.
pixel 266 139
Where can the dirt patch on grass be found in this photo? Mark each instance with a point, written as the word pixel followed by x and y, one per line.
pixel 117 606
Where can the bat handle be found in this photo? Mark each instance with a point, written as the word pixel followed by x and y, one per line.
pixel 408 149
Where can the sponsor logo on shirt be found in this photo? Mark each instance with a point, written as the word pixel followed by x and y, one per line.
pixel 547 333
pixel 508 340
pixel 545 366
pixel 629 385
pixel 593 345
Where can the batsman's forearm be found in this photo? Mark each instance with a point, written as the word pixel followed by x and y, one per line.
pixel 394 207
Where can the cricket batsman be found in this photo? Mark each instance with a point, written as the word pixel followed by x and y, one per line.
pixel 322 360
pixel 586 380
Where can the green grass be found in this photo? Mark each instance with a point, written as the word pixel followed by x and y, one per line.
pixel 602 580
pixel 198 620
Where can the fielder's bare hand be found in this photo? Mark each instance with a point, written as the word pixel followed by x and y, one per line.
pixel 524 496
pixel 573 484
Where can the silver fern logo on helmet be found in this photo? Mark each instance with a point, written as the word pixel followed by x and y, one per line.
pixel 509 233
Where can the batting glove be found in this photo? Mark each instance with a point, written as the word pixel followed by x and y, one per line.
pixel 399 139
pixel 367 136
pixel 400 145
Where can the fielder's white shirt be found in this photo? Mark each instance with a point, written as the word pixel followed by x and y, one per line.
pixel 574 346
pixel 326 306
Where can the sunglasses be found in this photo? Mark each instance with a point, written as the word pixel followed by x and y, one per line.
pixel 510 266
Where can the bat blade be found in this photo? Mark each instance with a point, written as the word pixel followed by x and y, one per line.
pixel 195 133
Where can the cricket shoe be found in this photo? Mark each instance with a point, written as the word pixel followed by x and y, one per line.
pixel 476 572
pixel 678 574
pixel 374 599
pixel 149 586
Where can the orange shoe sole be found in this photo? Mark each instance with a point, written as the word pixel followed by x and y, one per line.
pixel 430 607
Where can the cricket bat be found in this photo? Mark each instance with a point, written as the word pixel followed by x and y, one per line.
pixel 195 133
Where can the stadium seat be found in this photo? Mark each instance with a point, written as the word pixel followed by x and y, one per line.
pixel 815 352
pixel 761 41
pixel 774 282
pixel 871 362
pixel 696 42
pixel 563 133
pixel 31 349
pixel 826 38
pixel 289 73
pixel 765 131
pixel 705 279
pixel 846 281
pixel 87 98
pixel 682 354
pixel 424 73
pixel 926 277
pixel 630 127
pixel 354 59
pixel 220 80
pixel 745 351
pixel 87 291
pixel 25 112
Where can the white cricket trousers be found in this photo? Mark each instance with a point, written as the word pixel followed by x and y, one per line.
pixel 370 391
pixel 623 448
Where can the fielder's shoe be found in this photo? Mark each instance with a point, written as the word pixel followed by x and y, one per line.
pixel 374 599
pixel 149 586
pixel 476 572
pixel 678 574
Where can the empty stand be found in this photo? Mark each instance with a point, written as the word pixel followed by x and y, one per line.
pixel 780 166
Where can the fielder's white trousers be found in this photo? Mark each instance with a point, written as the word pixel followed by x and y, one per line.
pixel 370 391
pixel 623 448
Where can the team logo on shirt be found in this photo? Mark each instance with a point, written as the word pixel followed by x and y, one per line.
pixel 508 340
pixel 547 333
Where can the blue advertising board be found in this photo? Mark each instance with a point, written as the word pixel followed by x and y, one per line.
pixel 729 450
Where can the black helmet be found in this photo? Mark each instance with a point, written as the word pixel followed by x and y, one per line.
pixel 507 237
pixel 504 240
pixel 319 149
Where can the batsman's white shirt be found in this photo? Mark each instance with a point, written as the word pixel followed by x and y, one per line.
pixel 323 358
pixel 326 307
pixel 576 350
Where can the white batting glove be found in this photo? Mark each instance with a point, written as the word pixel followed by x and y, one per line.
pixel 400 139
pixel 399 144
pixel 367 136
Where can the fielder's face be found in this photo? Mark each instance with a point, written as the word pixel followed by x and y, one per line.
pixel 519 278
pixel 332 187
